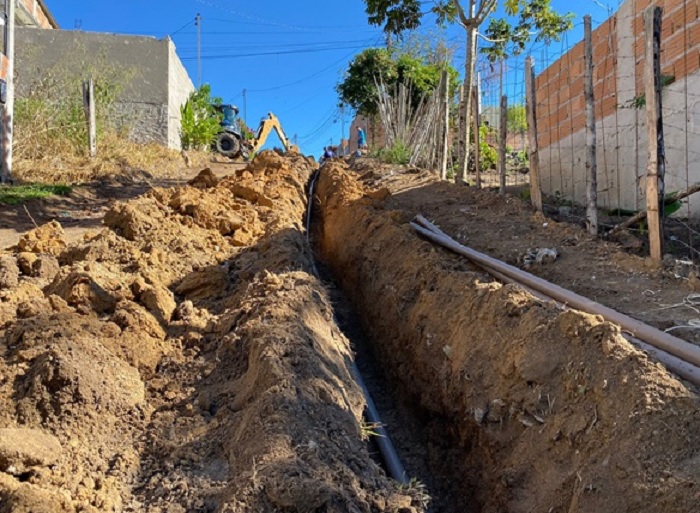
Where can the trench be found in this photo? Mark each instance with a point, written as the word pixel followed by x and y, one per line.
pixel 496 400
pixel 428 449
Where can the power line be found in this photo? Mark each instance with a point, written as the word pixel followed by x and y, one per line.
pixel 281 52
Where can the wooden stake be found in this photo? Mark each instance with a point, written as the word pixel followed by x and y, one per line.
pixel 591 166
pixel 477 122
pixel 90 117
pixel 502 143
pixel 655 134
pixel 534 155
pixel 446 124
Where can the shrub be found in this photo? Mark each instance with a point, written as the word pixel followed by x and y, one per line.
pixel 200 120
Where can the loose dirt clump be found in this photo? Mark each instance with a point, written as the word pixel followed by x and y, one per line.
pixel 555 410
pixel 184 358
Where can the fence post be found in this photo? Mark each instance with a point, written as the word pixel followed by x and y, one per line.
pixel 89 106
pixel 655 134
pixel 502 143
pixel 462 146
pixel 477 148
pixel 533 155
pixel 591 165
pixel 445 125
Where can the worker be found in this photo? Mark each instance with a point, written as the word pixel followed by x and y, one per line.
pixel 361 139
pixel 328 153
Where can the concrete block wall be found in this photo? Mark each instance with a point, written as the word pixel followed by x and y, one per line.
pixel 618 49
pixel 156 83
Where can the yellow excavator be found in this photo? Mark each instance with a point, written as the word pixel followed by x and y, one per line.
pixel 230 141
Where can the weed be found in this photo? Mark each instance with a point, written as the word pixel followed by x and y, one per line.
pixel 368 429
pixel 14 195
pixel 418 491
pixel 397 153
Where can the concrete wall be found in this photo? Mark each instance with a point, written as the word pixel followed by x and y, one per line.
pixel 148 104
pixel 620 127
pixel 179 88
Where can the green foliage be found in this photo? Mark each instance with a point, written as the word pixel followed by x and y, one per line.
pixel 200 120
pixel 398 153
pixel 516 119
pixel 14 195
pixel 488 156
pixel 534 17
pixel 359 89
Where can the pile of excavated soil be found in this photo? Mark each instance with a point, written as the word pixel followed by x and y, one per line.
pixel 555 410
pixel 184 358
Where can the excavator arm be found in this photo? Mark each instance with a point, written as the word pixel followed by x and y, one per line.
pixel 266 126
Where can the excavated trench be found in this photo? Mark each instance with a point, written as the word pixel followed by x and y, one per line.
pixel 518 406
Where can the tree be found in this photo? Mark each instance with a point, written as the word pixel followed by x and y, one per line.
pixel 399 15
pixel 200 120
pixel 359 86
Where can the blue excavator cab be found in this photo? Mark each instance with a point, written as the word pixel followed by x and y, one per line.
pixel 229 141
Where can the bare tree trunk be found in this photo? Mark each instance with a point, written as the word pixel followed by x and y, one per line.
pixel 469 66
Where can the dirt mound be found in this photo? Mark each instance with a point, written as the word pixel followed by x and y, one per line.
pixel 183 359
pixel 555 411
pixel 48 238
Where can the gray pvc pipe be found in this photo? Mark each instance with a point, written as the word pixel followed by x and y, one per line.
pixel 386 447
pixel 685 370
pixel 668 343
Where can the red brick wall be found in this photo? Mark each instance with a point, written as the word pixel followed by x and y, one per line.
pixel 560 102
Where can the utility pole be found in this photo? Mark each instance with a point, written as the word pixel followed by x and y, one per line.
pixel 198 24
pixel 6 176
pixel 245 108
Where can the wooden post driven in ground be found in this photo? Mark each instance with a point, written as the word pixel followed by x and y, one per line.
pixel 445 146
pixel 655 132
pixel 591 166
pixel 502 143
pixel 533 154
pixel 477 148
pixel 90 116
pixel 9 110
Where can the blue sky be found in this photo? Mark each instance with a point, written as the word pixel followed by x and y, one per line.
pixel 288 56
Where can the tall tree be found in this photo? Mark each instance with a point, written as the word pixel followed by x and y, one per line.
pixel 396 16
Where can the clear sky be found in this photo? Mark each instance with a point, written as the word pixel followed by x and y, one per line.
pixel 288 56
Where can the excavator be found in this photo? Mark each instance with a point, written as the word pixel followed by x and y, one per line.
pixel 230 141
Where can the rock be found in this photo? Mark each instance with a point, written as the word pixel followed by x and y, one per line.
pixel 250 194
pixel 156 298
pixel 45 267
pixel 9 272
pixel 204 180
pixel 23 448
pixel 48 238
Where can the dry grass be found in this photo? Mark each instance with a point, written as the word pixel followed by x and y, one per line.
pixel 116 157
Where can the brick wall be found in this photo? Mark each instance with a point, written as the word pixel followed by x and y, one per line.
pixel 619 61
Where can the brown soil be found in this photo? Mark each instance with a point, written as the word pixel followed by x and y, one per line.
pixel 171 349
pixel 184 358
pixel 553 411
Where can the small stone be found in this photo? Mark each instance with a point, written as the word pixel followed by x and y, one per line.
pixel 24 448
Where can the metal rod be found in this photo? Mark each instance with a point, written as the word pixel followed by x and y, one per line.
pixel 668 343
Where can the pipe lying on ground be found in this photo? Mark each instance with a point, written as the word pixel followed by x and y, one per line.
pixel 681 368
pixel 386 448
pixel 668 343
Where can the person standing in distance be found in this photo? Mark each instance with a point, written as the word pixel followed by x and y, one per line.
pixel 361 139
